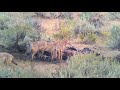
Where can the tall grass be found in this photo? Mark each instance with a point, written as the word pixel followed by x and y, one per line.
pixel 89 66
pixel 80 66
pixel 10 71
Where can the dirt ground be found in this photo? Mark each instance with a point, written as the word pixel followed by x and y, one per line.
pixel 37 65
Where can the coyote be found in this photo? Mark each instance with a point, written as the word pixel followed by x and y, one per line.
pixel 42 46
pixel 35 47
pixel 54 53
pixel 65 43
pixel 8 58
pixel 62 46
pixel 50 45
pixel 58 48
pixel 59 52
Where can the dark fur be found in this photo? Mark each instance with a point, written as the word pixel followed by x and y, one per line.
pixel 87 50
pixel 71 48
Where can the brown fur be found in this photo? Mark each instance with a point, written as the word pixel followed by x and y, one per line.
pixel 53 53
pixel 40 46
pixel 8 58
pixel 59 52
pixel 56 48
pixel 36 47
pixel 50 45
pixel 62 46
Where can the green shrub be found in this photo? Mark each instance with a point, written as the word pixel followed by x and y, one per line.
pixel 8 37
pixel 89 66
pixel 54 14
pixel 94 18
pixel 17 36
pixel 4 19
pixel 83 26
pixel 62 15
pixel 65 30
pixel 9 71
pixel 90 38
pixel 114 15
pixel 114 38
pixel 97 20
pixel 82 37
pixel 85 15
pixel 66 15
pixel 63 34
pixel 106 34
pixel 18 28
pixel 85 31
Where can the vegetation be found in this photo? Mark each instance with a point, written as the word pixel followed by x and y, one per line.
pixel 114 39
pixel 96 30
pixel 65 31
pixel 88 66
pixel 115 15
pixel 7 71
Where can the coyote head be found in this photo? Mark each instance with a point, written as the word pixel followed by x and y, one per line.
pixel 28 48
pixel 67 43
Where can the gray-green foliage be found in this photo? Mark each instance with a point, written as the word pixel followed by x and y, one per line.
pixel 86 32
pixel 4 19
pixel 114 38
pixel 90 38
pixel 83 26
pixel 89 66
pixel 9 36
pixel 16 24
pixel 66 15
pixel 62 15
pixel 86 66
pixel 93 18
pixel 85 15
pixel 7 71
pixel 114 15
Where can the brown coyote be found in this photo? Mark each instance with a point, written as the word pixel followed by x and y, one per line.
pixel 58 48
pixel 42 46
pixel 62 45
pixel 54 53
pixel 8 58
pixel 35 47
pixel 65 43
pixel 59 52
